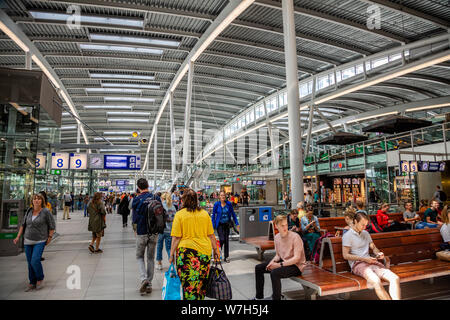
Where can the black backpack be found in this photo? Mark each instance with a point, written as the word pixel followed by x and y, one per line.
pixel 442 196
pixel 373 226
pixel 156 217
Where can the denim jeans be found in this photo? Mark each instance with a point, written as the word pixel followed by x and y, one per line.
pixel 163 238
pixel 144 242
pixel 85 210
pixel 34 254
pixel 423 225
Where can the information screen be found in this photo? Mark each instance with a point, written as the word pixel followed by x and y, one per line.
pixel 122 162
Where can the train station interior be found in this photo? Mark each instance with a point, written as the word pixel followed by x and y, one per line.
pixel 278 105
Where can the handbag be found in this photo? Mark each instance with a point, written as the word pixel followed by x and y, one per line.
pixel 219 287
pixel 172 289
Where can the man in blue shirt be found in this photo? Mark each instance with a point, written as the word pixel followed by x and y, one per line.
pixel 143 239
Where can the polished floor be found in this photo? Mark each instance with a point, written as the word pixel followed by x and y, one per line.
pixel 113 274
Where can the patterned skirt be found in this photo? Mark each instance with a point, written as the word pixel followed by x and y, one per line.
pixel 193 269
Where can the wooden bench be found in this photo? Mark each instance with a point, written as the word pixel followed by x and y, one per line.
pixel 412 256
pixel 265 243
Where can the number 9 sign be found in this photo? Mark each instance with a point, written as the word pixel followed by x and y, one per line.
pixel 78 161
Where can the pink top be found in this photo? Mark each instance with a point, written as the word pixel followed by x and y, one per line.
pixel 290 249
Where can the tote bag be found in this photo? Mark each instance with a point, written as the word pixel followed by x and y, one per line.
pixel 172 289
pixel 219 286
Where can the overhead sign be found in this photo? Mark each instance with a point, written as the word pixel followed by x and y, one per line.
pixel 78 161
pixel 404 166
pixel 60 160
pixel 55 172
pixel 122 183
pixel 41 159
pixel 413 167
pixel 122 162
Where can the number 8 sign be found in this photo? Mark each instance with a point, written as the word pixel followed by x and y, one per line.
pixel 404 165
pixel 60 160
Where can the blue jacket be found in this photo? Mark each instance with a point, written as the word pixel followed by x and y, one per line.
pixel 140 218
pixel 217 213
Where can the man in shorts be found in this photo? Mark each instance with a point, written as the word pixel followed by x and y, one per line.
pixel 355 248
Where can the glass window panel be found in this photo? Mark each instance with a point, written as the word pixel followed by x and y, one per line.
pixel 348 73
pixel 379 62
pixel 359 69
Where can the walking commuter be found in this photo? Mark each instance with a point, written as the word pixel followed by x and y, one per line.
pixel 445 229
pixel 72 201
pixel 192 243
pixel 309 198
pixel 49 207
pixel 301 210
pixel 85 203
pixel 430 217
pixel 245 197
pixel 176 200
pixel 144 240
pixel 289 260
pixel 38 227
pixel 355 248
pixel 316 197
pixel 222 216
pixel 440 196
pixel 67 203
pixel 310 227
pixel 124 210
pixel 285 200
pixel 165 238
pixel 97 222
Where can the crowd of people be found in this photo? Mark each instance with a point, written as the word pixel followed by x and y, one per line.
pixel 188 234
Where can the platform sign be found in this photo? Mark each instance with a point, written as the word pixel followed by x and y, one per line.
pixel 442 166
pixel 404 166
pixel 423 166
pixel 78 161
pixel 41 160
pixel 413 166
pixel 60 160
pixel 434 166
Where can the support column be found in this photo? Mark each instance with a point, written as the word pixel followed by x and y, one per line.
pixel 9 152
pixel 28 63
pixel 295 134
pixel 78 137
pixel 187 119
pixel 172 136
pixel 155 149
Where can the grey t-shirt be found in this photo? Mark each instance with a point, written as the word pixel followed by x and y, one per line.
pixel 445 232
pixel 408 214
pixel 37 230
pixel 358 243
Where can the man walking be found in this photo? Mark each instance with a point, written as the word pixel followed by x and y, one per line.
pixel 144 240
pixel 67 202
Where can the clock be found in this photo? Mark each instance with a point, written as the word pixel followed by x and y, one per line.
pixel 96 161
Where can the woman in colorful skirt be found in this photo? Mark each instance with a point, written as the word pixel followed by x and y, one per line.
pixel 192 243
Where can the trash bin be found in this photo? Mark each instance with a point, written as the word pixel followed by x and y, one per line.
pixel 254 221
pixel 10 221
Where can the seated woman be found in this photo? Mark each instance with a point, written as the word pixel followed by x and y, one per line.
pixel 445 229
pixel 310 228
pixel 387 224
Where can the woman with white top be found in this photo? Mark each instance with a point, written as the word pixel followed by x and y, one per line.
pixel 165 237
pixel 445 229
pixel 38 226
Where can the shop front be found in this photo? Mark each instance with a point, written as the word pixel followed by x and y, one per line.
pixel 343 189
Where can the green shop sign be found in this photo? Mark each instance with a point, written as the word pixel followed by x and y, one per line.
pixel 309 159
pixel 8 235
pixel 359 150
pixel 324 157
pixel 56 172
pixel 40 171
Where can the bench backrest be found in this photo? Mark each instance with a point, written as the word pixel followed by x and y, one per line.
pixel 400 247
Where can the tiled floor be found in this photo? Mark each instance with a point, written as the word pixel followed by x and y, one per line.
pixel 113 274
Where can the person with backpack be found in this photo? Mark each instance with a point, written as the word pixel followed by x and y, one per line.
pixel 355 249
pixel 222 218
pixel 192 243
pixel 289 260
pixel 124 210
pixel 145 238
pixel 165 238
pixel 67 203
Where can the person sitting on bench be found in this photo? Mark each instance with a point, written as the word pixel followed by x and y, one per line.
pixel 294 221
pixel 310 227
pixel 445 229
pixel 355 249
pixel 430 217
pixel 289 260
pixel 410 217
pixel 387 224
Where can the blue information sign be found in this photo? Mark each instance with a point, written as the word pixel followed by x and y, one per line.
pixel 122 162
